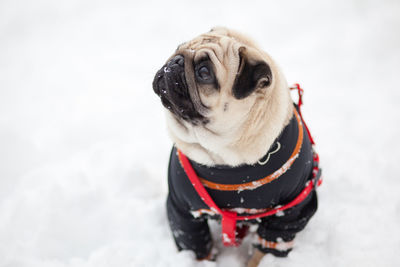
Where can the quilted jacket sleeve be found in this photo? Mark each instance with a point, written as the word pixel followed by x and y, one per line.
pixel 276 233
pixel 189 233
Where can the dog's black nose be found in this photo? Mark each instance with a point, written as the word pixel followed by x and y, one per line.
pixel 178 59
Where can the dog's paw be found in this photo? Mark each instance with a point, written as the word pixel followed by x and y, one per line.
pixel 212 256
pixel 255 258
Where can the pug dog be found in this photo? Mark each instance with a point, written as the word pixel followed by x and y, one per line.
pixel 230 113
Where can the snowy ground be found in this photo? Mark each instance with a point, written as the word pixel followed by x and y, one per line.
pixel 83 146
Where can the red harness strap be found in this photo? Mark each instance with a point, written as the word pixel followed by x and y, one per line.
pixel 300 91
pixel 229 218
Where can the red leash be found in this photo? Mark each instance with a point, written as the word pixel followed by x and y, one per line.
pixel 229 218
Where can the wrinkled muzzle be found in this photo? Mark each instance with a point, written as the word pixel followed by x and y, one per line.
pixel 171 86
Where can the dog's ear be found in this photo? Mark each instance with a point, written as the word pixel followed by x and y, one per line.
pixel 252 74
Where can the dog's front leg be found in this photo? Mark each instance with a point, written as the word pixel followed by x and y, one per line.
pixel 189 233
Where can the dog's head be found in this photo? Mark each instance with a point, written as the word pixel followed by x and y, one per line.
pixel 210 73
pixel 219 81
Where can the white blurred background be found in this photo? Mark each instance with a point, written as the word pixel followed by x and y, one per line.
pixel 83 146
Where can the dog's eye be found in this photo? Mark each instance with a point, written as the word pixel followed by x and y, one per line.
pixel 204 73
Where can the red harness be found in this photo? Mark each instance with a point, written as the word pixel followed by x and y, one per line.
pixel 231 234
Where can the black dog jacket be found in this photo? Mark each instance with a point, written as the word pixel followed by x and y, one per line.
pixel 247 190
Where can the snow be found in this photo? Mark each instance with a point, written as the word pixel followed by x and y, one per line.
pixel 83 145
